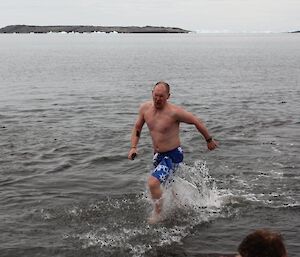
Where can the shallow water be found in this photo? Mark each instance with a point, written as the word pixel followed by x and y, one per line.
pixel 67 106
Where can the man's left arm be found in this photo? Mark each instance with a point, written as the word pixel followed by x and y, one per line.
pixel 189 118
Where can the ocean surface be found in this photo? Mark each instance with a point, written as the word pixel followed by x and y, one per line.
pixel 68 103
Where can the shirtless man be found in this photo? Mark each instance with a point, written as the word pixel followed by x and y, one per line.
pixel 163 119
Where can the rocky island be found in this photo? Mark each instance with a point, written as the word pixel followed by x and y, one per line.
pixel 88 29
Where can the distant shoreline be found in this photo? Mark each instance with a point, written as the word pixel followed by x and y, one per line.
pixel 25 29
pixel 28 29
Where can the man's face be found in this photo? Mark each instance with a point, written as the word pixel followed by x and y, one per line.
pixel 160 96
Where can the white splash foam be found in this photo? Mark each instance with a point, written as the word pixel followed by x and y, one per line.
pixel 192 188
pixel 190 200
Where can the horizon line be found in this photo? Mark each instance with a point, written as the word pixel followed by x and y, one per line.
pixel 197 31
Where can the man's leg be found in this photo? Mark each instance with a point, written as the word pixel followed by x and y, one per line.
pixel 156 193
pixel 159 176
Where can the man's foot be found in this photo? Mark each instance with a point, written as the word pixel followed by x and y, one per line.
pixel 155 218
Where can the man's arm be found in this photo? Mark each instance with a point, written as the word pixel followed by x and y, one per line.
pixel 136 133
pixel 189 118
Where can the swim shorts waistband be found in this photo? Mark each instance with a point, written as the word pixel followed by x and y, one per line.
pixel 176 155
pixel 171 151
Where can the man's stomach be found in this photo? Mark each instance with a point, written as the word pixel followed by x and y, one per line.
pixel 162 145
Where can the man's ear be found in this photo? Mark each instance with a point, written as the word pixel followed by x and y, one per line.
pixel 169 96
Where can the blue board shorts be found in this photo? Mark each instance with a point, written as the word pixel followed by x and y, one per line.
pixel 166 163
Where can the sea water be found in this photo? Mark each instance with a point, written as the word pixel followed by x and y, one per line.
pixel 68 103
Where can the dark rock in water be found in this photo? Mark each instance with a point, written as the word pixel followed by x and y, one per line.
pixel 298 31
pixel 88 29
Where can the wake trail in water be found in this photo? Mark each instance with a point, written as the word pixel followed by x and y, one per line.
pixel 118 225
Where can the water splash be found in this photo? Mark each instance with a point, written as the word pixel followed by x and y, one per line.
pixel 118 226
pixel 191 190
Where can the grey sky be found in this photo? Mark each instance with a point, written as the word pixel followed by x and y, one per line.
pixel 202 15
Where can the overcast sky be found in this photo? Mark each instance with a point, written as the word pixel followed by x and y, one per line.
pixel 201 15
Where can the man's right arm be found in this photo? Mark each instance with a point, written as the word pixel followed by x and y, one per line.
pixel 136 133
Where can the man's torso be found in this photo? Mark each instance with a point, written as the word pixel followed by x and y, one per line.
pixel 163 127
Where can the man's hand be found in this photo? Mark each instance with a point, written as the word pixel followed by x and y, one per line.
pixel 212 145
pixel 132 153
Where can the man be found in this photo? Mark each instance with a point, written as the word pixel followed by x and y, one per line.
pixel 163 119
pixel 262 243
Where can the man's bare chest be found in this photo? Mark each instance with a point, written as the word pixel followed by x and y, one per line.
pixel 160 122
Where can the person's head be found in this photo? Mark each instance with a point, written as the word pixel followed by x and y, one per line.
pixel 262 243
pixel 160 94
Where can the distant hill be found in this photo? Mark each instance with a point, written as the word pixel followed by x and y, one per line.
pixel 295 31
pixel 88 29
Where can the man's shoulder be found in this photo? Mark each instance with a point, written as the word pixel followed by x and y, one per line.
pixel 145 106
pixel 176 111
pixel 175 108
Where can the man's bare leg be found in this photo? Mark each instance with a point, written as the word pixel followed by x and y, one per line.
pixel 156 193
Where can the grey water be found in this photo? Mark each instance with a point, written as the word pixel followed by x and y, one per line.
pixel 67 106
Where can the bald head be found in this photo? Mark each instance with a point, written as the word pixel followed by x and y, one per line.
pixel 162 83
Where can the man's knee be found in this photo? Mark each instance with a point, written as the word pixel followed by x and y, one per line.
pixel 154 186
pixel 153 182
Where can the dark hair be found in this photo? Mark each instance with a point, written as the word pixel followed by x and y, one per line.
pixel 166 85
pixel 262 243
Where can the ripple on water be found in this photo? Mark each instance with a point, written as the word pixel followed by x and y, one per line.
pixel 119 224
